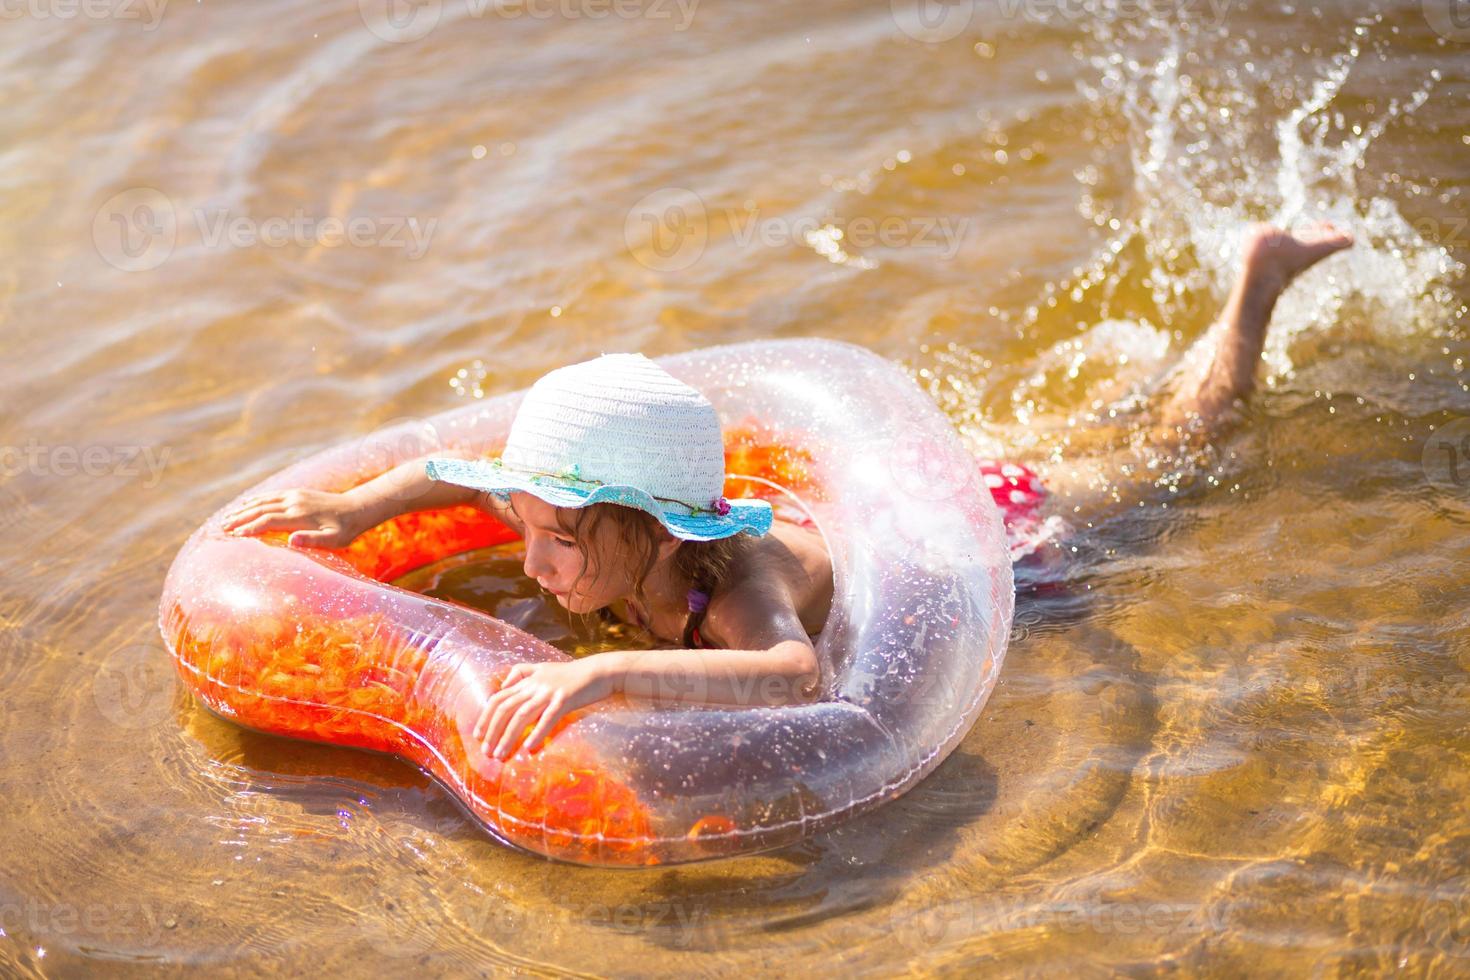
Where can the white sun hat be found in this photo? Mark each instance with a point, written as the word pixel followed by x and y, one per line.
pixel 617 429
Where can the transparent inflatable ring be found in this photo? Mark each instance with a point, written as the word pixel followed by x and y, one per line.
pixel 315 644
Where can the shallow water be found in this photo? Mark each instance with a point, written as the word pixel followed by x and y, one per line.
pixel 1231 731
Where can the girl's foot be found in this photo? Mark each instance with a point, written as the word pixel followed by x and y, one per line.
pixel 1276 255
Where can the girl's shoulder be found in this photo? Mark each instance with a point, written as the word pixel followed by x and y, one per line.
pixel 777 588
pixel 751 612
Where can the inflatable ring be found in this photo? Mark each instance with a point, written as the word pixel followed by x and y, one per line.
pixel 314 644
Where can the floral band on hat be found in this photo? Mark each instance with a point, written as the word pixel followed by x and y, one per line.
pixel 573 474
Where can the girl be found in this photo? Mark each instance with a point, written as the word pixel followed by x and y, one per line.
pixel 613 473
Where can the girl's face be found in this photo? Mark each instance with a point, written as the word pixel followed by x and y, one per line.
pixel 554 556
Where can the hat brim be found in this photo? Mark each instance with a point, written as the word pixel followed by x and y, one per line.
pixel 748 516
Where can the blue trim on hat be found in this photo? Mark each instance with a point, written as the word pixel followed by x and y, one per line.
pixel 750 516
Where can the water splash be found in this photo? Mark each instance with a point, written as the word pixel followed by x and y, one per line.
pixel 1197 134
pixel 1203 173
pixel 1107 363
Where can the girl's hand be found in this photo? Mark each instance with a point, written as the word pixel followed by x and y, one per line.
pixel 545 691
pixel 321 519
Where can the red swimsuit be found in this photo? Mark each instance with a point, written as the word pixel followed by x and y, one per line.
pixel 1018 492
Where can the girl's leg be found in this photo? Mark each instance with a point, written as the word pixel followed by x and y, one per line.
pixel 1199 394
pixel 1221 366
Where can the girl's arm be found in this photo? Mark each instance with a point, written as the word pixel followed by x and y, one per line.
pixel 407 487
pixel 322 519
pixel 772 663
pixel 782 674
pixel 767 658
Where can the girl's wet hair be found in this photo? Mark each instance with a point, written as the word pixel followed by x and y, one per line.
pixel 703 564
